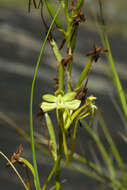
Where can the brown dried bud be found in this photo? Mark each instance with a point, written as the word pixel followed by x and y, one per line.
pixel 96 52
pixel 15 157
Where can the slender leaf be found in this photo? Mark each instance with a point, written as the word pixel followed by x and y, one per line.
pixel 52 13
pixel 52 135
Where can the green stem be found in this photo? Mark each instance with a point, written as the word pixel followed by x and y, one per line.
pixel 31 102
pixel 60 66
pixel 69 82
pixel 57 171
pixel 70 36
pixel 71 44
pixel 64 138
pixel 66 10
pixel 60 150
pixel 69 24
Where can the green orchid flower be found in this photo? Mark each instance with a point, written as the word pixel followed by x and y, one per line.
pixel 66 101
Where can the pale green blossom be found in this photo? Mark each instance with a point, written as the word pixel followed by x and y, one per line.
pixel 66 101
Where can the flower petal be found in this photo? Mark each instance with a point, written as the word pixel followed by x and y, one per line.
pixel 45 106
pixel 49 98
pixel 72 105
pixel 69 96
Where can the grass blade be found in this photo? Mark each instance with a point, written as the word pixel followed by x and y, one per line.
pixel 52 13
pixel 52 136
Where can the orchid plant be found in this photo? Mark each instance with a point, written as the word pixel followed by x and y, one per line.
pixel 68 109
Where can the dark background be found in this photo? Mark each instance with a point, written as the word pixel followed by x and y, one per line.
pixel 21 35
